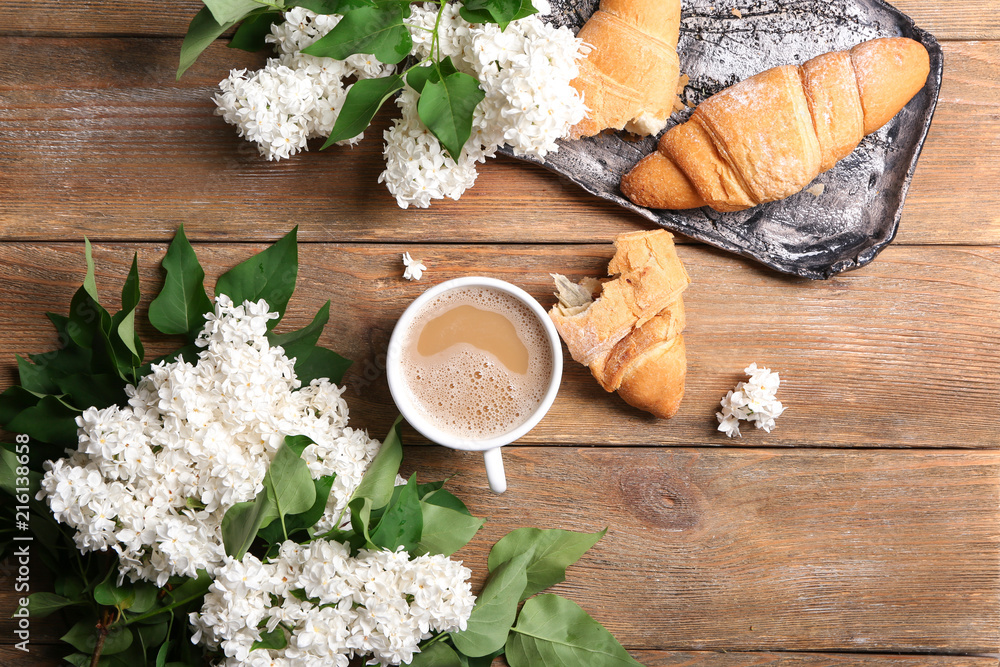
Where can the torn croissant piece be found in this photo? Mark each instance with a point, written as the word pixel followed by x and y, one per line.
pixel 767 137
pixel 629 78
pixel 628 329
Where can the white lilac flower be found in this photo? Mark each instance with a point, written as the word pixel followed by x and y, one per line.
pixel 153 479
pixel 295 97
pixel 414 267
pixel 525 73
pixel 332 606
pixel 753 401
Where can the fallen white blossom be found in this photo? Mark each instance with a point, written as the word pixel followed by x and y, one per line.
pixel 414 267
pixel 753 401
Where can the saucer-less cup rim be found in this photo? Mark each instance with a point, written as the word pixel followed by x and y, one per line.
pixel 397 385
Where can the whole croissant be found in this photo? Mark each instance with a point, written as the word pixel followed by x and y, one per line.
pixel 629 78
pixel 767 137
pixel 628 330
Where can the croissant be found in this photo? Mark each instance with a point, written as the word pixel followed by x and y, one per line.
pixel 767 137
pixel 629 79
pixel 628 329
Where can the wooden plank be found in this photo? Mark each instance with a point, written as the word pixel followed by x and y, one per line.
pixel 975 19
pixel 756 550
pixel 96 137
pixel 39 655
pixel 978 19
pixel 735 549
pixel 766 659
pixel 905 352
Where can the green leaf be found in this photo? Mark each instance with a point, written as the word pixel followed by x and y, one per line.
pixel 380 478
pixel 161 655
pixel 181 305
pixel 70 358
pixel 152 636
pixel 418 77
pixel 36 378
pixel 146 596
pixel 436 655
pixel 130 288
pixel 87 318
pixel 302 343
pixel 110 594
pixel 331 6
pixel 361 519
pixel 296 522
pixel 427 489
pixel 268 275
pixel 90 281
pixel 363 101
pixel 445 531
pixel 100 390
pixel 230 11
pixel 550 553
pixel 495 610
pixel 288 483
pixel 321 363
pixel 69 586
pixel 91 326
pixel 446 108
pixel 83 637
pixel 124 341
pixel 552 630
pixel 377 30
pixel 50 420
pixel 242 521
pixel 501 12
pixel 9 482
pixel 275 639
pixel 202 31
pixel 13 401
pixel 402 522
pixel 192 587
pixel 298 443
pixel 480 661
pixel 41 605
pixel 252 33
pixel 444 498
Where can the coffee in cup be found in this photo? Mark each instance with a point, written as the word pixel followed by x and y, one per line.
pixel 474 364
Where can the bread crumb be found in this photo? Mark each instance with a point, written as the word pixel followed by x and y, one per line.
pixel 816 190
pixel 679 104
pixel 682 83
pixel 737 13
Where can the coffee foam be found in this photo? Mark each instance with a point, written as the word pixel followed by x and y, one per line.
pixel 466 391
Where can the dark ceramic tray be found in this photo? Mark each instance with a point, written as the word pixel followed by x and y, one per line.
pixel 857 213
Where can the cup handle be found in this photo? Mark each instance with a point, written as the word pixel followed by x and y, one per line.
pixel 494 470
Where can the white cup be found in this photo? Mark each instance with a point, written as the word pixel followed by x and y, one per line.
pixel 404 401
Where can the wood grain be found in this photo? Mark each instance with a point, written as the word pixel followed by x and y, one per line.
pixel 752 549
pixel 978 19
pixel 905 352
pixel 759 549
pixel 96 137
pixel 975 19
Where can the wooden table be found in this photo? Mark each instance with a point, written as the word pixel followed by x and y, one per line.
pixel 863 531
